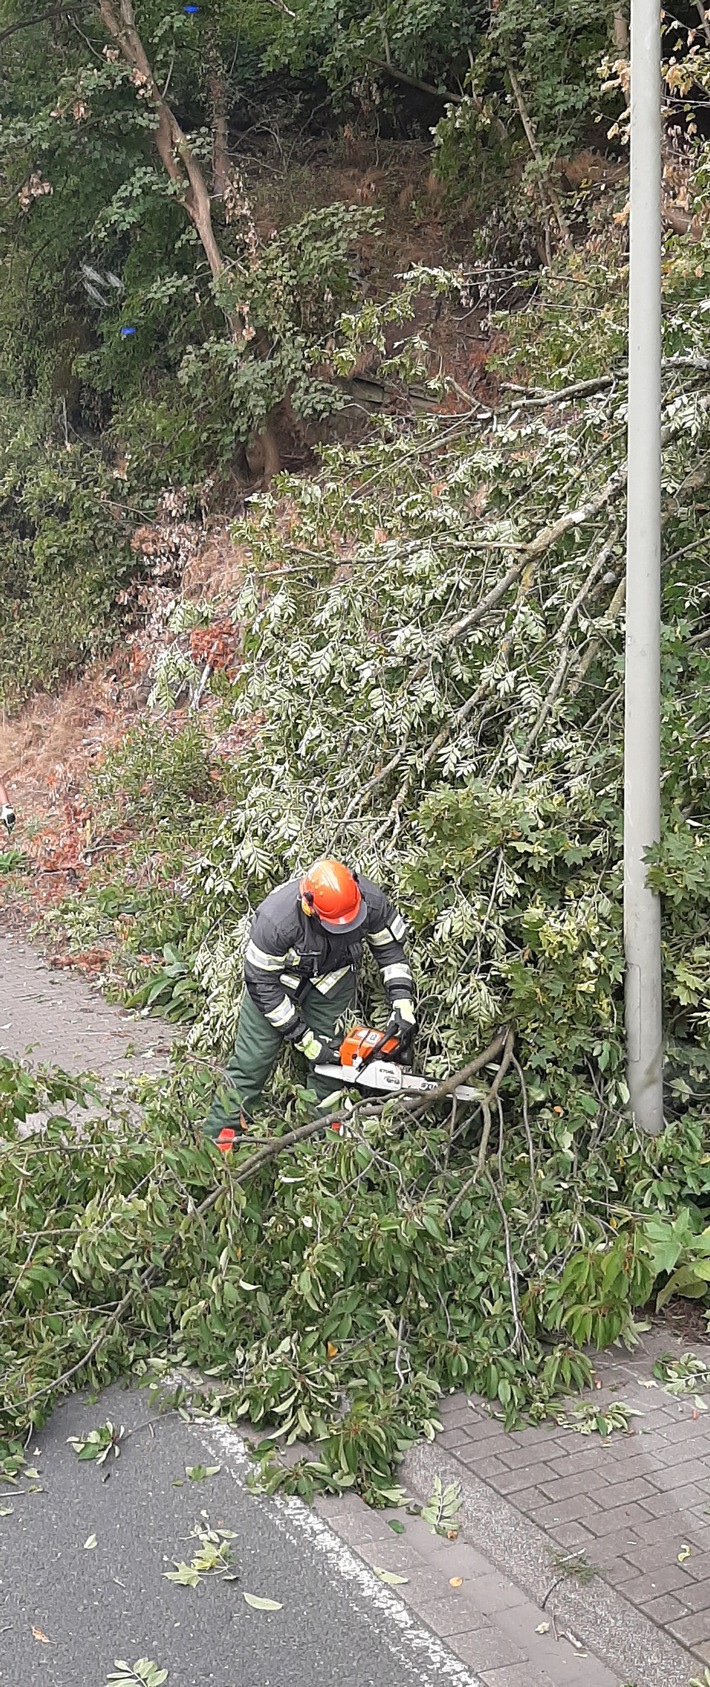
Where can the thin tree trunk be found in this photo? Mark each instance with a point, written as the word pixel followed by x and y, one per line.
pixel 220 132
pixel 531 137
pixel 184 168
pixel 172 144
pixel 621 31
pixel 705 21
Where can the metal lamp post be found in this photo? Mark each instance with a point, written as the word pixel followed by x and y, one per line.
pixel 642 770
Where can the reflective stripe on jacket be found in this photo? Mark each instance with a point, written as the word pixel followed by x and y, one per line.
pixel 287 948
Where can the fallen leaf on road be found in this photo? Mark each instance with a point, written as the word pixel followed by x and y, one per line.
pixel 455 1581
pixel 184 1575
pixel 394 1524
pixel 199 1472
pixel 684 1553
pixel 143 1671
pixel 390 1577
pixel 90 1543
pixel 262 1604
pixel 38 1635
pixel 543 1628
pixel 6 1510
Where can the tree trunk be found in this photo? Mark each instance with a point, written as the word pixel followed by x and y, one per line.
pixel 531 138
pixel 220 137
pixel 621 31
pixel 184 168
pixel 173 146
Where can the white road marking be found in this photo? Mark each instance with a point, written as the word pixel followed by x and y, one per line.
pixel 427 1659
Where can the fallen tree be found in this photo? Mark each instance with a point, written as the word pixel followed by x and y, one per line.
pixel 430 682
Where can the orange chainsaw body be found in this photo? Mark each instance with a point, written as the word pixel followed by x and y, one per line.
pixel 360 1042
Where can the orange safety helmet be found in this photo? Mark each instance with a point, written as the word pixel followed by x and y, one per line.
pixel 332 892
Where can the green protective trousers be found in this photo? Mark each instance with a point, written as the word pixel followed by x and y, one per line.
pixel 257 1049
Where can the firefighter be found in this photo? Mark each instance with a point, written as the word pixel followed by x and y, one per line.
pixel 304 947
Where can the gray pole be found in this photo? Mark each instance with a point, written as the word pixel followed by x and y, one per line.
pixel 642 769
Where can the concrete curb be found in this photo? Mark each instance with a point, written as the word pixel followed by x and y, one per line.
pixel 607 1624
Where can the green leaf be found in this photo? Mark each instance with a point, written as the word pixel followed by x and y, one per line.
pixel 390 1577
pixel 262 1604
pixel 184 1575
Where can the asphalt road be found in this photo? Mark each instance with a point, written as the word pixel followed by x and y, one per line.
pixel 338 1623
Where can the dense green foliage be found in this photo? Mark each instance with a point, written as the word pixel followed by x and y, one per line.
pixel 64 552
pixel 333 1290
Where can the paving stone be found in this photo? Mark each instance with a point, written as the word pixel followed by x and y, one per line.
pixel 687 1428
pixel 698 1565
pixel 666 1609
pixel 484 1429
pixel 589 1458
pixel 606 1549
pixel 660 1505
pixel 495 1593
pixel 565 1487
pixel 625 1493
pixel 671 1580
pixel 696 1597
pixel 529 1499
pixel 650 1557
pixel 691 1629
pixel 628 1504
pixel 669 1533
pixel 455 1411
pixel 618 1572
pixel 488 1649
pixel 676 1476
pixel 515 1482
pixel 518 1676
pixel 620 1517
pixel 573 1534
pixel 446 1620
pixel 540 1435
pixel 525 1458
pixel 671 1450
pixel 488 1466
pixel 567 1511
pixel 455 1437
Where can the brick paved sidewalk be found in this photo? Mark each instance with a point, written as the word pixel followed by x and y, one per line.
pixel 490 1623
pixel 637 1506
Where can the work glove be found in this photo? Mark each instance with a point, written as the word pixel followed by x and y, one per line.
pixel 402 1022
pixel 318 1050
pixel 7 816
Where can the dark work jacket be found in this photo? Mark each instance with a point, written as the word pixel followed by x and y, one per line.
pixel 288 949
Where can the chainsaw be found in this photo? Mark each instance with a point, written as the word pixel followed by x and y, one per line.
pixel 372 1060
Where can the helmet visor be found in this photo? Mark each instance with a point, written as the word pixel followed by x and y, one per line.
pixel 347 922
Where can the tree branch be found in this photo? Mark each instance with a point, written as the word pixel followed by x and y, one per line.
pixel 44 17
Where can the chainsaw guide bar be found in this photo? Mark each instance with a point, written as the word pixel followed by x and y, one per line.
pixel 391 1079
